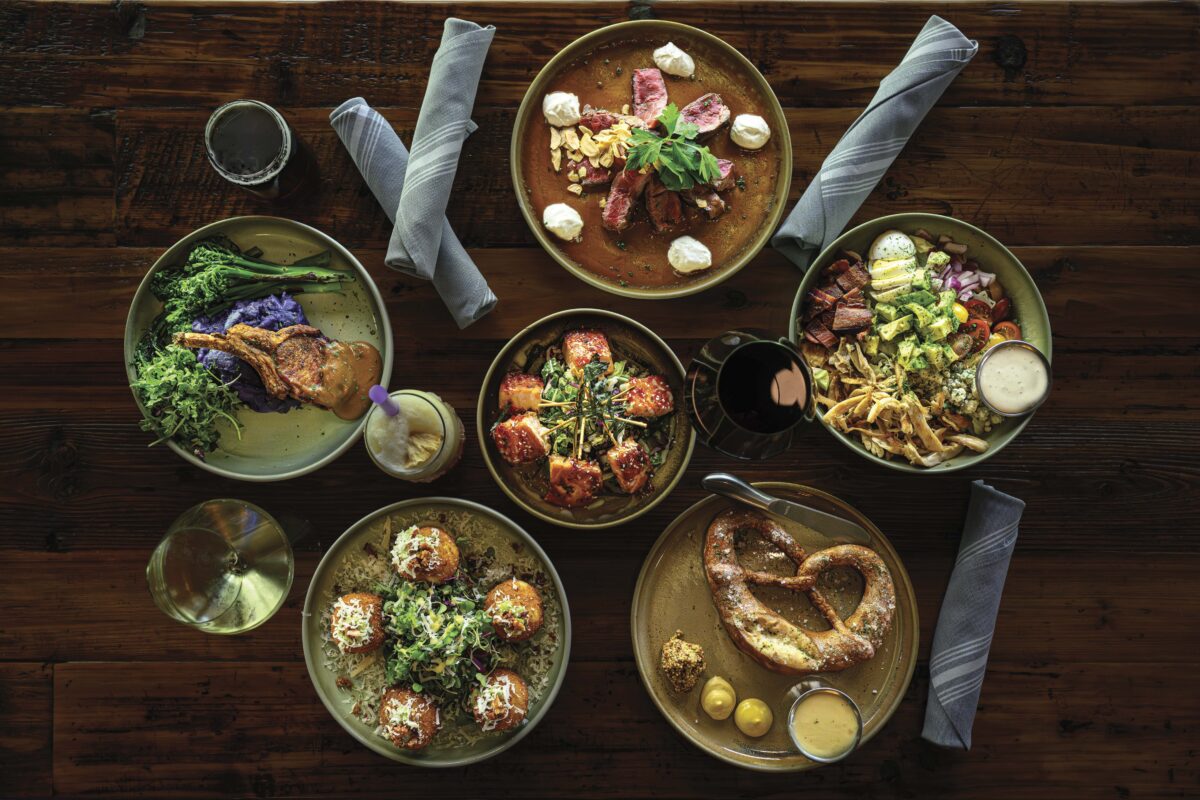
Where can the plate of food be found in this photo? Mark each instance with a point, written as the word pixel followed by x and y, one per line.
pixel 581 419
pixel 896 318
pixel 436 632
pixel 250 347
pixel 734 608
pixel 651 159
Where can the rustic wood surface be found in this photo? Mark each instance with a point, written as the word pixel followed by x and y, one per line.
pixel 1072 137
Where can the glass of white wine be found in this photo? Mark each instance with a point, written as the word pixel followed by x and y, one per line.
pixel 225 566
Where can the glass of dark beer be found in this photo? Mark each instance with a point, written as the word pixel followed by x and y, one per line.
pixel 252 146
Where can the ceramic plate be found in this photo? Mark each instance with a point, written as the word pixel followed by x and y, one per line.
pixel 1030 311
pixel 481 528
pixel 628 339
pixel 278 446
pixel 672 594
pixel 719 68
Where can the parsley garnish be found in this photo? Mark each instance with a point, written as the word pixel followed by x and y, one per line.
pixel 681 163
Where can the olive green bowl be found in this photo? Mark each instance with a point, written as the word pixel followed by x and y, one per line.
pixel 1028 308
pixel 628 339
pixel 530 113
pixel 476 527
pixel 272 446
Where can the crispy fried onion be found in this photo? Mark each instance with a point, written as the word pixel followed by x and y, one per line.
pixel 865 402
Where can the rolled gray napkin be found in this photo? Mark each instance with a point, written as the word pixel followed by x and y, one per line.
pixel 965 625
pixel 382 159
pixel 436 145
pixel 871 144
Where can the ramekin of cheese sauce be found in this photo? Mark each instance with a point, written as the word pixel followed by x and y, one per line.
pixel 824 723
pixel 1013 378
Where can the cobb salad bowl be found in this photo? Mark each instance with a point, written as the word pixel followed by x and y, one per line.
pixel 992 258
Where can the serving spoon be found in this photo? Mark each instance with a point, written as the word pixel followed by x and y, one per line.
pixel 837 528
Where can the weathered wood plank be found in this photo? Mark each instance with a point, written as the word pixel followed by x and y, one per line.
pixel 202 55
pixel 26 719
pixel 81 480
pixel 1050 613
pixel 1090 293
pixel 1028 177
pixel 174 729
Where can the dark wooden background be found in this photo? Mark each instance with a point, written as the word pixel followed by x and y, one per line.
pixel 1073 137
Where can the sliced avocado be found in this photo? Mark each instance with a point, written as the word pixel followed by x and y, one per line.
pixel 923 315
pixel 886 312
pixel 940 328
pixel 896 327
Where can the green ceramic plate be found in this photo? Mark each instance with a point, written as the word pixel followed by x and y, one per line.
pixel 481 528
pixel 711 53
pixel 992 257
pixel 672 594
pixel 273 446
pixel 628 338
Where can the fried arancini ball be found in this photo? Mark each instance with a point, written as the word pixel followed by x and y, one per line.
pixel 356 622
pixel 515 608
pixel 409 720
pixel 425 554
pixel 502 702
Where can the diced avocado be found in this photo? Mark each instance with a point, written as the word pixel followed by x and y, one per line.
pixel 921 279
pixel 889 295
pixel 937 260
pixel 886 312
pixel 945 302
pixel 871 345
pixel 918 363
pixel 923 315
pixel 907 349
pixel 935 354
pixel 940 328
pixel 821 377
pixel 951 356
pixel 921 298
pixel 923 245
pixel 896 327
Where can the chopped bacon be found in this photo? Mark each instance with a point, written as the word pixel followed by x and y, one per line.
pixel 850 318
pixel 821 300
pixel 853 277
pixel 853 298
pixel 819 334
pixel 837 267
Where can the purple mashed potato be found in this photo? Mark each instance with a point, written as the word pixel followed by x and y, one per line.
pixel 272 312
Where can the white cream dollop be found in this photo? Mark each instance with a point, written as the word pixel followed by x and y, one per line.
pixel 749 131
pixel 673 61
pixel 561 109
pixel 563 221
pixel 689 255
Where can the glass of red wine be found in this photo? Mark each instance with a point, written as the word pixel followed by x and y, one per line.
pixel 748 393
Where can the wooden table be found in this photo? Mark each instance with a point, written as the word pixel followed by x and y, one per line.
pixel 1072 137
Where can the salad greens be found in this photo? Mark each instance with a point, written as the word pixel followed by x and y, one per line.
pixel 185 400
pixel 681 162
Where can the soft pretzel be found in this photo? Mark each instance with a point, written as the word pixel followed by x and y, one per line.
pixel 767 637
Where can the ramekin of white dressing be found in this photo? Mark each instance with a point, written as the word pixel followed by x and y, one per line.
pixel 1013 378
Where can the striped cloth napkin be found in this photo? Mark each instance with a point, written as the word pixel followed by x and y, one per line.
pixel 871 144
pixel 436 145
pixel 968 617
pixel 383 160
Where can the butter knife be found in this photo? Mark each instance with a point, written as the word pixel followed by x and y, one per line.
pixel 836 528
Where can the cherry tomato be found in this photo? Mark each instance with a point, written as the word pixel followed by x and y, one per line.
pixel 961 344
pixel 994 340
pixel 960 313
pixel 979 310
pixel 979 330
pixel 1009 330
pixel 1002 310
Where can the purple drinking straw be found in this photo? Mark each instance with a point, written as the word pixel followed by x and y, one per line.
pixel 379 396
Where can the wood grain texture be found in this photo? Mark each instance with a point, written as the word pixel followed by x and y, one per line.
pixel 1070 137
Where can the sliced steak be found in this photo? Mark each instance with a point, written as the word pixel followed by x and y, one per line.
pixel 664 206
pixel 649 95
pixel 854 278
pixel 597 119
pixel 850 318
pixel 594 177
pixel 728 178
pixel 817 333
pixel 708 112
pixel 627 187
pixel 705 199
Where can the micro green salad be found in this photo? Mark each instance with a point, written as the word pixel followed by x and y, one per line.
pixel 681 162
pixel 186 399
